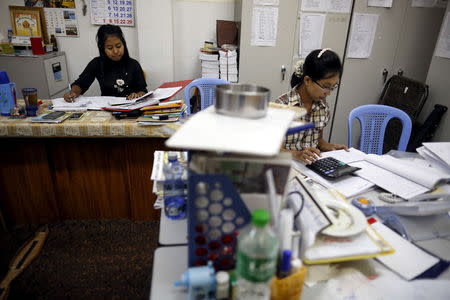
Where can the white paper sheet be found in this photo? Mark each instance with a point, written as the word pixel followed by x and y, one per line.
pixel 340 6
pixel 311 33
pixel 380 3
pixel 389 181
pixel 362 35
pixel 347 157
pixel 315 5
pixel 84 103
pixel 441 150
pixel 335 6
pixel 423 3
pixel 266 2
pixel 264 26
pixel 405 253
pixel 443 46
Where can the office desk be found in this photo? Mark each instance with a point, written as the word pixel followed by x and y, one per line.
pixel 168 265
pixel 171 262
pixel 92 168
pixel 172 232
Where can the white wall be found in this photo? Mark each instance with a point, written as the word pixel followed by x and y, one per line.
pixel 155 40
pixel 438 80
pixel 79 50
pixel 194 22
pixel 171 32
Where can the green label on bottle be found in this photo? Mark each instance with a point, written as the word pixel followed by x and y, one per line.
pixel 255 269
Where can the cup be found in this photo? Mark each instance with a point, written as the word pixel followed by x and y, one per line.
pixel 36 45
pixel 31 99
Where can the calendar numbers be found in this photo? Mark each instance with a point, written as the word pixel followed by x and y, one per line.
pixel 118 12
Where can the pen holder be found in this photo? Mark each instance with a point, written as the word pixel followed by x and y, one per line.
pixel 288 288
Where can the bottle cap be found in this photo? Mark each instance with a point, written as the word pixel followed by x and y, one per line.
pixel 296 265
pixel 260 217
pixel 172 156
pixel 222 277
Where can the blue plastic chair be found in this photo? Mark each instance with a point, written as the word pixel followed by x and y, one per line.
pixel 373 119
pixel 207 90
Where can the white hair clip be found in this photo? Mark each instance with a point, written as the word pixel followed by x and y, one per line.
pixel 298 68
pixel 322 52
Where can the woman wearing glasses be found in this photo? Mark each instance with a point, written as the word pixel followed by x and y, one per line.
pixel 312 81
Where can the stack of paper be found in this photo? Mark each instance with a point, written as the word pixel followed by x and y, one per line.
pixel 149 99
pixel 83 103
pixel 228 65
pixel 210 65
pixel 437 155
pixel 164 112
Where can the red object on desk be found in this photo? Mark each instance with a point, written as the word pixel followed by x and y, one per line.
pixel 182 83
pixel 36 45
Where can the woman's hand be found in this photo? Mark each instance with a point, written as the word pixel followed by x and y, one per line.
pixel 308 155
pixel 70 96
pixel 135 95
pixel 74 92
pixel 324 146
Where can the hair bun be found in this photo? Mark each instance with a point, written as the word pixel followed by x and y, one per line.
pixel 298 68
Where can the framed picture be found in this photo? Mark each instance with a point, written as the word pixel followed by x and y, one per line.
pixel 28 21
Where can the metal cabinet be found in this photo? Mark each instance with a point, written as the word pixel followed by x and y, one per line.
pixel 404 43
pixel 48 73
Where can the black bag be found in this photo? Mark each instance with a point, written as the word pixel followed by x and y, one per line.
pixel 426 132
pixel 408 95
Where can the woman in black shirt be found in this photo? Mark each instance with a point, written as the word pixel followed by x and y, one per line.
pixel 117 73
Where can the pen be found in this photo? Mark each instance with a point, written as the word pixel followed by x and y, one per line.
pixel 72 99
pixel 285 264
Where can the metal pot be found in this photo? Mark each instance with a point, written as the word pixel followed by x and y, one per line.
pixel 242 100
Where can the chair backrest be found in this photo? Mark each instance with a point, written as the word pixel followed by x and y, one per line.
pixel 207 88
pixel 373 119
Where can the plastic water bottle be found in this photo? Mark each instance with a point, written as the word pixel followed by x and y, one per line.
pixel 256 258
pixel 174 188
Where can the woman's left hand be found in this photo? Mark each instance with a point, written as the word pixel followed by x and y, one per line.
pixel 135 95
pixel 330 147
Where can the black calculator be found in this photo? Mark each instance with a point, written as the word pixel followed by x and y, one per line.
pixel 53 115
pixel 331 168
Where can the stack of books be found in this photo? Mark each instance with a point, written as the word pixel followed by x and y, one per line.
pixel 210 65
pixel 228 65
pixel 164 112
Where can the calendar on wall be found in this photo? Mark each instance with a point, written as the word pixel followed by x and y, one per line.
pixel 61 21
pixel 117 12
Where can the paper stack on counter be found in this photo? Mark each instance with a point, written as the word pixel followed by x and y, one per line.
pixel 210 65
pixel 437 155
pixel 228 65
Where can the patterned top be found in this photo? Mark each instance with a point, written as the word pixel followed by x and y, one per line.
pixel 319 115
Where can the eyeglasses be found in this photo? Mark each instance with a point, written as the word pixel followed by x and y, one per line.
pixel 325 88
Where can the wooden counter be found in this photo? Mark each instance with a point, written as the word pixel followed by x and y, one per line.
pixel 93 168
